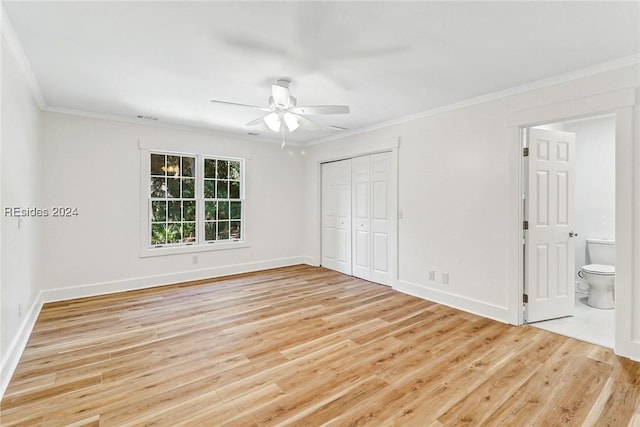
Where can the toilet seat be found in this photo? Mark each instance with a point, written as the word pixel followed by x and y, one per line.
pixel 600 269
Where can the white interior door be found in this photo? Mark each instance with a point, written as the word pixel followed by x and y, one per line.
pixel 381 219
pixel 336 216
pixel 361 216
pixel 550 212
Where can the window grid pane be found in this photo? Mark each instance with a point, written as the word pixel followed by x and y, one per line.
pixel 173 200
pixel 223 200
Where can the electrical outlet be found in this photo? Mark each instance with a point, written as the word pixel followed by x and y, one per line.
pixel 195 259
pixel 432 275
pixel 445 278
pixel 19 310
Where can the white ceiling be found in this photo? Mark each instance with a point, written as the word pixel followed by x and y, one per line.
pixel 386 60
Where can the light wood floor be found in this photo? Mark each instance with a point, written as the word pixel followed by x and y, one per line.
pixel 305 346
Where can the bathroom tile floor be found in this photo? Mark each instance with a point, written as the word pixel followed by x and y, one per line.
pixel 588 324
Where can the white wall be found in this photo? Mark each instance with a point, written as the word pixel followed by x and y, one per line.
pixel 21 145
pixel 595 182
pixel 454 191
pixel 94 165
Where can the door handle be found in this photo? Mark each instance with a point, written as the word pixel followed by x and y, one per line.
pixel 572 234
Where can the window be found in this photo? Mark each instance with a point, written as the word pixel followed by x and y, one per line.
pixel 173 199
pixel 194 200
pixel 222 203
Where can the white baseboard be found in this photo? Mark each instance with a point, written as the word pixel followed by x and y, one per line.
pixel 18 344
pixel 630 350
pixel 103 288
pixel 312 261
pixel 627 347
pixel 501 314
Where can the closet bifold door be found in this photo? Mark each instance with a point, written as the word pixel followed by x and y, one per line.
pixel 336 216
pixel 381 218
pixel 356 217
pixel 361 216
pixel 370 217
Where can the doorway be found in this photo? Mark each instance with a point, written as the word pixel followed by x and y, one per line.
pixel 622 103
pixel 586 186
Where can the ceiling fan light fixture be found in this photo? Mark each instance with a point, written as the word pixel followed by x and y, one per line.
pixel 272 120
pixel 291 121
pixel 283 116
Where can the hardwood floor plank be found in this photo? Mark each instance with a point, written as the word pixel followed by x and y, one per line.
pixel 332 334
pixel 303 345
pixel 623 398
pixel 542 388
pixel 24 421
pixel 482 401
pixel 374 410
pixel 366 389
pixel 47 392
pixel 288 376
pixel 29 383
pixel 447 384
pixel 574 408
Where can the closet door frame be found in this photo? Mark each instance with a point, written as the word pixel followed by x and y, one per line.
pixel 368 148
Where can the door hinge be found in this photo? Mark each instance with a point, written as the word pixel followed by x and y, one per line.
pixel 525 225
pixel 525 298
pixel 525 151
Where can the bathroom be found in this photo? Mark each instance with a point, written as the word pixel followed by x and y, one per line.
pixel 595 223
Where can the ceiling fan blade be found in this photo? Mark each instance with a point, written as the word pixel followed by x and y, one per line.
pixel 241 105
pixel 306 123
pixel 255 121
pixel 321 109
pixel 281 93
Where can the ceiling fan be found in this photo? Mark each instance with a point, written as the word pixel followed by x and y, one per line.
pixel 282 113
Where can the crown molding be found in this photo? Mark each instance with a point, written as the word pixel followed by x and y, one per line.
pixel 561 78
pixel 10 37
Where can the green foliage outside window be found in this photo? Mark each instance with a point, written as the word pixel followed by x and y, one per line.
pixel 174 199
pixel 222 203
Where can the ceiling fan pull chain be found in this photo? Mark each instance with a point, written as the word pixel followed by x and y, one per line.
pixel 283 132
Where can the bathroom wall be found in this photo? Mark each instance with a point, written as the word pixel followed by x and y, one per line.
pixel 595 182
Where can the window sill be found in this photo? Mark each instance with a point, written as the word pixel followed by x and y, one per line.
pixel 176 250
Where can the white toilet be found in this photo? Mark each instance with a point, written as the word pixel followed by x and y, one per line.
pixel 601 273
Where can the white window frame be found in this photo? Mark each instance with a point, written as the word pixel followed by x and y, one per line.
pixel 148 250
pixel 200 196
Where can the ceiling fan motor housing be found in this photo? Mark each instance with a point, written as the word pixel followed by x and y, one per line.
pixel 274 106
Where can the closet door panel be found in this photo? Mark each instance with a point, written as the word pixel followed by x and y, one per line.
pixel 361 218
pixel 336 216
pixel 381 221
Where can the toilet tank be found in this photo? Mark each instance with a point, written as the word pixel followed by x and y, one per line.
pixel 601 251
